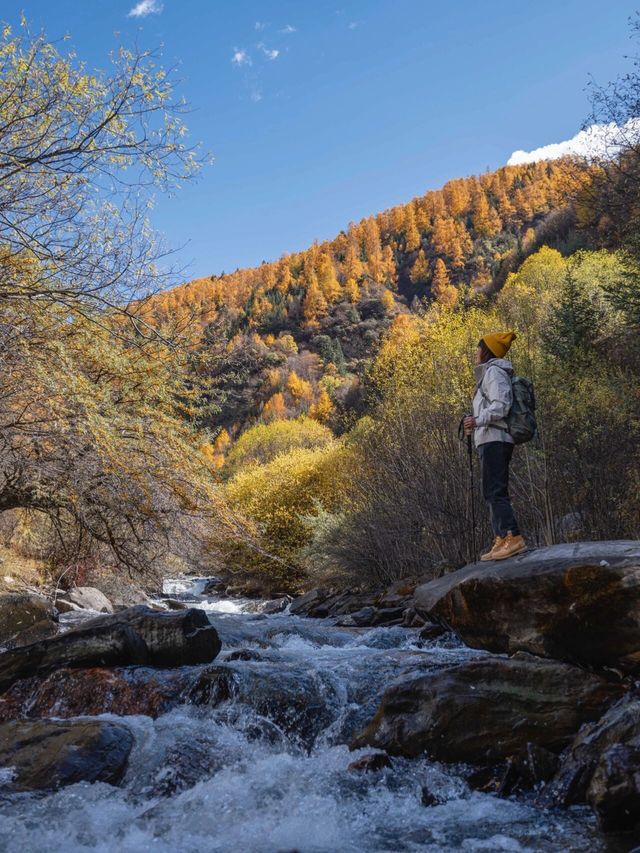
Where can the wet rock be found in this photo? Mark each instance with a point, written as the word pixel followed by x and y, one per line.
pixel 244 654
pixel 89 598
pixel 298 703
pixel 411 619
pixel 360 619
pixel 25 618
pixel 431 631
pixel 137 636
pixel 301 606
pixel 487 710
pixel 370 763
pixel 77 692
pixel 277 605
pixel 535 765
pixel 398 591
pixel 388 616
pixel 295 701
pixel 64 606
pixel 389 599
pixel 212 686
pixel 614 792
pixel 509 781
pixel 530 767
pixel 373 617
pixel 175 604
pixel 619 725
pixel 349 602
pixel 428 798
pixel 189 761
pixel 320 603
pixel 333 605
pixel 50 754
pixel 214 586
pixel 578 602
pixel 247 589
pixel 486 779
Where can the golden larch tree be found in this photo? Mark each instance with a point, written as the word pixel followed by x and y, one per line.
pixel 444 292
pixel 351 290
pixel 411 233
pixel 420 271
pixel 485 220
pixel 352 266
pixel 327 280
pixel 314 305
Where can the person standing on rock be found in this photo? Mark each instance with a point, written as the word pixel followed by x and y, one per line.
pixel 491 403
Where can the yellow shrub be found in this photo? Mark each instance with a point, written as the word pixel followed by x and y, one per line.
pixel 280 495
pixel 264 442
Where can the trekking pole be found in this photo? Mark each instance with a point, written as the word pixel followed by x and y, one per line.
pixel 462 434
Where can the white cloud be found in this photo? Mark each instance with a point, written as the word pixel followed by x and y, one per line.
pixel 268 52
pixel 260 25
pixel 144 8
pixel 288 29
pixel 353 25
pixel 256 96
pixel 598 140
pixel 240 57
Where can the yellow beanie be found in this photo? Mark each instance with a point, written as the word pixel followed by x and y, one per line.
pixel 499 342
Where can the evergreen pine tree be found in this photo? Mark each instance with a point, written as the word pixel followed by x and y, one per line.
pixel 573 323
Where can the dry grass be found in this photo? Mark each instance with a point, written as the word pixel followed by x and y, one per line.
pixel 18 572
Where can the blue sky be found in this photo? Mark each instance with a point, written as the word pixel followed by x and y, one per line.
pixel 319 113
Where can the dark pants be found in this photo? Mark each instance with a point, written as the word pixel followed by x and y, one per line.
pixel 494 464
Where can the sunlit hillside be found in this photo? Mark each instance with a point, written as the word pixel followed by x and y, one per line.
pixel 300 331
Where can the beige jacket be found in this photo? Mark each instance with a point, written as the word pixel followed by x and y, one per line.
pixel 492 400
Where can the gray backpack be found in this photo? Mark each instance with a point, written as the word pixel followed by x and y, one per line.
pixel 521 420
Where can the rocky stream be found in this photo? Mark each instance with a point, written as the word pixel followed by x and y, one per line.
pixel 243 725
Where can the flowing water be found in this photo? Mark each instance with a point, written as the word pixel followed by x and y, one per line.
pixel 266 770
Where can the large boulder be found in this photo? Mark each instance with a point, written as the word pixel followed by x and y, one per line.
pixel 302 605
pixel 24 618
pixel 97 690
pixel 89 598
pixel 387 606
pixel 48 754
pixel 487 710
pixel 620 725
pixel 578 602
pixel 614 792
pixel 135 636
pixel 295 701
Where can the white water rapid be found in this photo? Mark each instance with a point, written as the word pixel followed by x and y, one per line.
pixel 266 770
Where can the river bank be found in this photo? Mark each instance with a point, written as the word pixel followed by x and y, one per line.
pixel 266 746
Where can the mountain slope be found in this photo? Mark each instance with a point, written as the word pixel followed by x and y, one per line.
pixel 317 316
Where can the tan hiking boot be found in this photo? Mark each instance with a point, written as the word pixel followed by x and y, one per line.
pixel 511 545
pixel 497 543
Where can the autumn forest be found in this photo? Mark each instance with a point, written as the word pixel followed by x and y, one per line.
pixel 294 423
